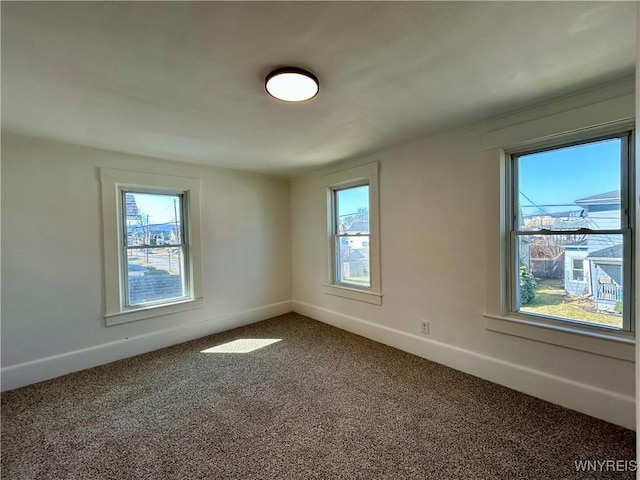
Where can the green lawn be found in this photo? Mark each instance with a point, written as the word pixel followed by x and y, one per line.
pixel 551 300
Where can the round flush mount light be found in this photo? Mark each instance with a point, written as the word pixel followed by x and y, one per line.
pixel 292 84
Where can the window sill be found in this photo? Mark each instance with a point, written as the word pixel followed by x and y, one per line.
pixel 151 311
pixel 609 344
pixel 353 294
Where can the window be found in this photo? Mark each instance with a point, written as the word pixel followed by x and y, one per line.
pixel 353 243
pixel 577 270
pixel 570 234
pixel 155 248
pixel 351 236
pixel 151 244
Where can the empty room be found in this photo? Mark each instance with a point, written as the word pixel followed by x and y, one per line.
pixel 333 240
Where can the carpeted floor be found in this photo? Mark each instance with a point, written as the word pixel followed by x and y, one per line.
pixel 321 403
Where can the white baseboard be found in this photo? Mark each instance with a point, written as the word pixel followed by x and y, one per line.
pixel 612 407
pixel 22 374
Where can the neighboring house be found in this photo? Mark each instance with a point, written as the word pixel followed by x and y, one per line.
pixel 157 234
pixel 359 242
pixel 548 219
pixel 355 263
pixel 359 227
pixel 133 214
pixel 355 256
pixel 136 270
pixel 593 265
pixel 576 270
pixel 606 277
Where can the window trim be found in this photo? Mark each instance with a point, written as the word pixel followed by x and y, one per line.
pixel 113 183
pixel 362 175
pixel 574 270
pixel 626 223
pixel 620 345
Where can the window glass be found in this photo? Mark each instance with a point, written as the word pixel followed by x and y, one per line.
pixel 552 283
pixel 352 236
pixel 577 274
pixel 568 241
pixel 155 253
pixel 571 187
pixel 352 208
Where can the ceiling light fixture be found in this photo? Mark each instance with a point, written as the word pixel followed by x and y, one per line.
pixel 291 84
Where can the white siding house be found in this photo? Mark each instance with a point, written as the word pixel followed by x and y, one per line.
pixel 604 252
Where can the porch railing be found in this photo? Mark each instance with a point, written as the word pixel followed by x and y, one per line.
pixel 610 291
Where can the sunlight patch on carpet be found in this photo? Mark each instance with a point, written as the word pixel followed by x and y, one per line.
pixel 243 345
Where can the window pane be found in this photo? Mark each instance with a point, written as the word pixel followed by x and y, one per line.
pixel 570 188
pixel 155 274
pixel 352 210
pixel 577 271
pixel 153 219
pixel 352 254
pixel 577 279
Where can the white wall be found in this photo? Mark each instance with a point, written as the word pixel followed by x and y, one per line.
pixel 52 293
pixel 440 215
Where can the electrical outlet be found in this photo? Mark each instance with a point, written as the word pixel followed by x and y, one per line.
pixel 424 327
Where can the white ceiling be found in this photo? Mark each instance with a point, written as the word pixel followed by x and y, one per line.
pixel 185 80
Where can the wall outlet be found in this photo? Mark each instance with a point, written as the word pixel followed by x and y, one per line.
pixel 424 327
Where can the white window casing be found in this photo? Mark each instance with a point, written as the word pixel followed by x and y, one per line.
pixel 113 185
pixel 499 316
pixel 357 176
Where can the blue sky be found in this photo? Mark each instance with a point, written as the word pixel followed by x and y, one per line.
pixel 351 199
pixel 565 175
pixel 158 207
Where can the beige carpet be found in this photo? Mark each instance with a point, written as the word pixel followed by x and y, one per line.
pixel 321 403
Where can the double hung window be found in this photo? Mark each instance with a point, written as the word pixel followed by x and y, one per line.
pixel 570 226
pixel 155 250
pixel 353 234
pixel 151 226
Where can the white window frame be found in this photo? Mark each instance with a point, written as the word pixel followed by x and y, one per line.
pixel 357 176
pixel 114 183
pixel 498 317
pixel 583 270
pixel 126 248
pixel 625 230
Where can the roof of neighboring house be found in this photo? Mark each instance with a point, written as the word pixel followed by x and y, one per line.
pixel 136 268
pixel 132 206
pixel 565 214
pixel 572 224
pixel 571 239
pixel 601 199
pixel 153 228
pixel 355 255
pixel 614 252
pixel 358 227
